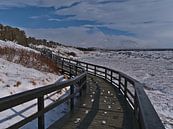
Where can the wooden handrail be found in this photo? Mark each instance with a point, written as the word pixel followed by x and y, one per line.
pixel 143 109
pixel 139 101
pixel 17 99
pixel 38 93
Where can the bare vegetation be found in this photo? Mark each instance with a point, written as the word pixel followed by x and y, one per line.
pixel 18 83
pixel 29 59
pixel 33 82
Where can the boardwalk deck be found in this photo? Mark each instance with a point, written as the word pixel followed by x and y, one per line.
pixel 102 107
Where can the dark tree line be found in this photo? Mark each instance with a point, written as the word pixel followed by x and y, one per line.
pixel 15 34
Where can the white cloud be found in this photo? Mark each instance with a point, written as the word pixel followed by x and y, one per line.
pixel 45 3
pixel 150 20
pixel 78 36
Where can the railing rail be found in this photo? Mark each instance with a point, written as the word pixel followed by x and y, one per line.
pixel 131 89
pixel 78 78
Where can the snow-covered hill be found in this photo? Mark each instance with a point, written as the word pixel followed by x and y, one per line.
pixel 16 77
pixel 27 57
pixel 10 44
pixel 61 50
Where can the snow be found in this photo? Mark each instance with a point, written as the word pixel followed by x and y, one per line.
pixel 28 78
pixel 11 44
pixel 61 50
pixel 153 68
pixel 10 74
pixel 16 78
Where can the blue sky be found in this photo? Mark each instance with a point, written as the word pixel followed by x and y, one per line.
pixel 93 23
pixel 40 17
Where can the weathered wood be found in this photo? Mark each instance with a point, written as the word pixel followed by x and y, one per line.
pixel 105 107
pixel 119 81
pixel 147 114
pixel 111 76
pixel 17 99
pixel 95 70
pixel 105 74
pixel 41 121
pixel 72 99
pixel 125 90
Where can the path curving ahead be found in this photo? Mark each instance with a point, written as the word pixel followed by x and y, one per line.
pixel 102 107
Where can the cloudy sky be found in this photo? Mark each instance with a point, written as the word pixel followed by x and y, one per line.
pixel 94 23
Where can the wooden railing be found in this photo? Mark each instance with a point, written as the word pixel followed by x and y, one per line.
pixel 77 78
pixel 131 89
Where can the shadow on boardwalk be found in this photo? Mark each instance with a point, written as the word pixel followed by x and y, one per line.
pixel 102 107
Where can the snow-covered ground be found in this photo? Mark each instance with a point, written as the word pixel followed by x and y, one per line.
pixel 154 69
pixel 11 44
pixel 16 78
pixel 61 50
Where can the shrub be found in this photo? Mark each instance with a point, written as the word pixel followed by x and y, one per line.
pixel 29 59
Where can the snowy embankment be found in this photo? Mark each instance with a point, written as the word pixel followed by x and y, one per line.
pixel 15 78
pixel 154 69
pixel 61 50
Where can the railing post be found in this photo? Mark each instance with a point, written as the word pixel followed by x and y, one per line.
pixel 136 107
pixel 76 69
pixel 69 62
pixel 125 88
pixel 80 93
pixel 72 99
pixel 111 76
pixel 77 63
pixel 119 81
pixel 41 122
pixel 85 86
pixel 58 60
pixel 86 67
pixel 95 70
pixel 105 74
pixel 70 70
pixel 62 65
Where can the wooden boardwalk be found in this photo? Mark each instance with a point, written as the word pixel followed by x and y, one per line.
pixel 102 107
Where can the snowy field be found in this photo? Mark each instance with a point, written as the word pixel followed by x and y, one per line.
pixel 154 69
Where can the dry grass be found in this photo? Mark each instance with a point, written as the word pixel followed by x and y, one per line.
pixel 29 59
pixel 1 80
pixel 18 83
pixel 33 82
